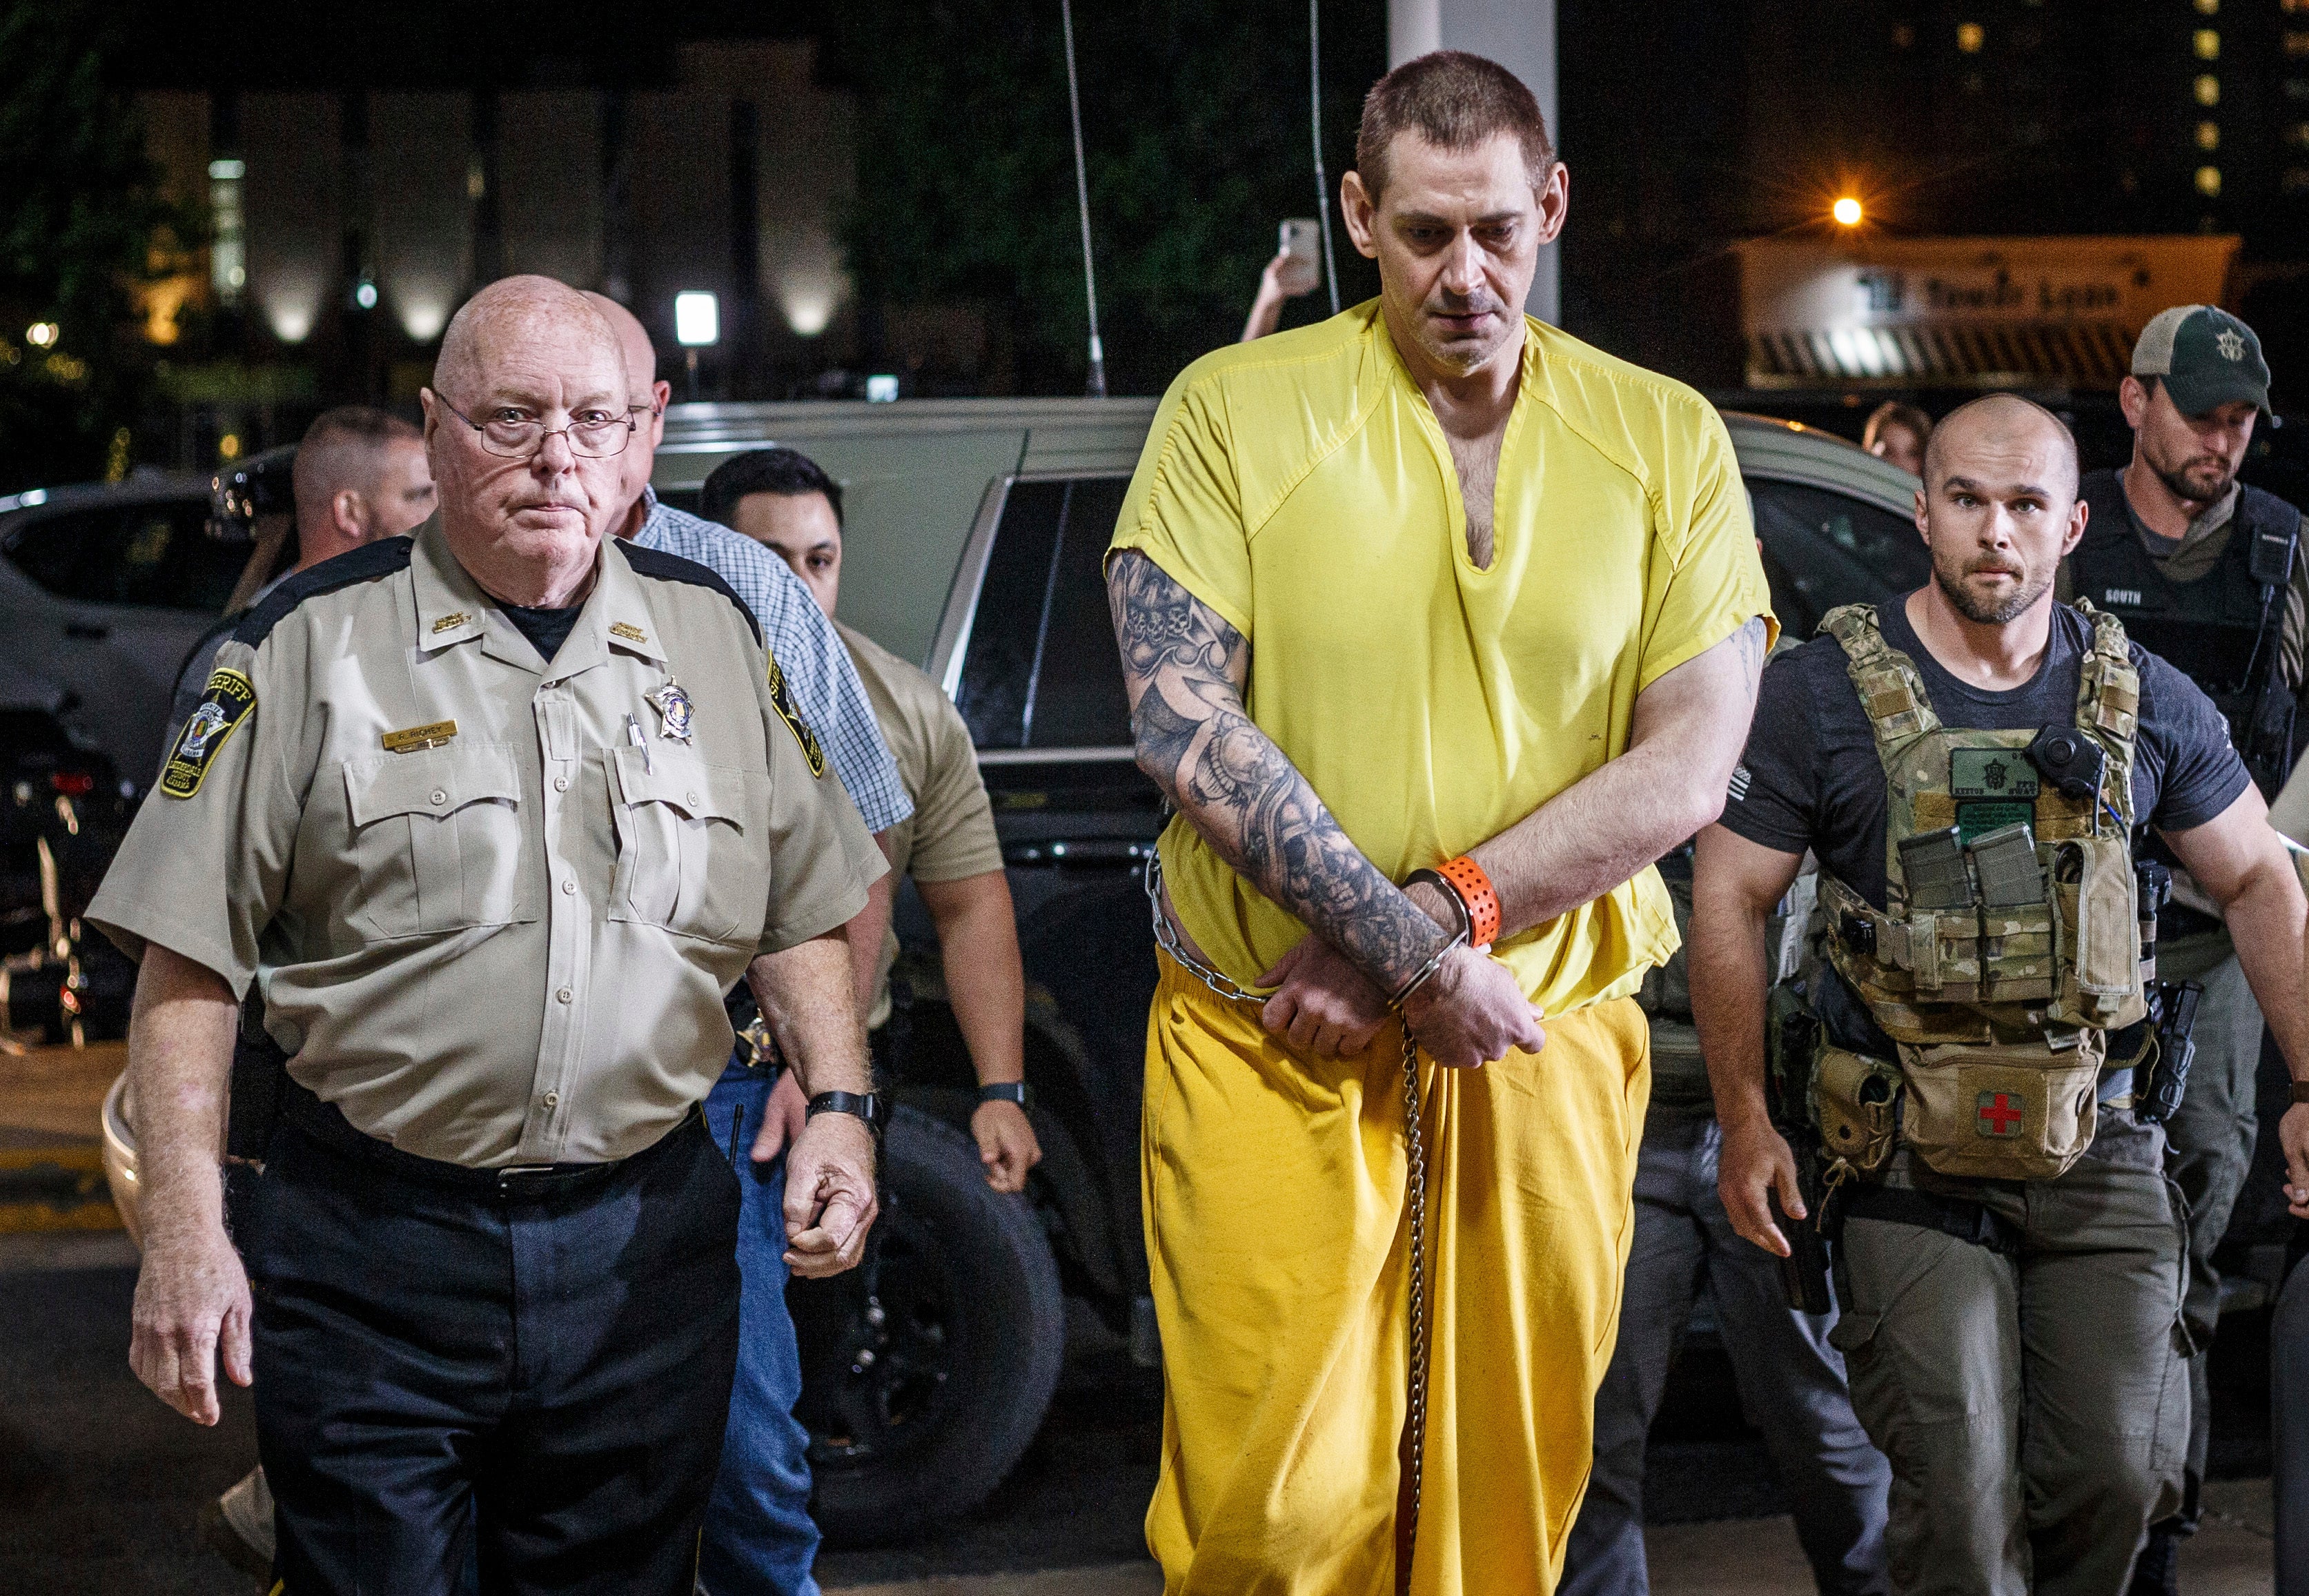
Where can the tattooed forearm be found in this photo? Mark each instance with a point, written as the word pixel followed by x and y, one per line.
pixel 1185 668
pixel 1749 641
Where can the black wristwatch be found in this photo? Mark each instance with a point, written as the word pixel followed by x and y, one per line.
pixel 1007 1091
pixel 867 1106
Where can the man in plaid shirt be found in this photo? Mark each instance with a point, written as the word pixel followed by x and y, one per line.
pixel 758 1533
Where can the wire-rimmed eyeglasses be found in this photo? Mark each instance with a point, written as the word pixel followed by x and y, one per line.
pixel 597 434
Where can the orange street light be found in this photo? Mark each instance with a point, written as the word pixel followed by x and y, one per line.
pixel 1846 211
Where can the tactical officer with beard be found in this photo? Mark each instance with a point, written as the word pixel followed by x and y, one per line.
pixel 1973 767
pixel 2205 573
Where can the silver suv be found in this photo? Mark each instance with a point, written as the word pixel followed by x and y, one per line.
pixel 106 587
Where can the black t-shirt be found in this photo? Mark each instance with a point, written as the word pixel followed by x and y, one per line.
pixel 1811 777
pixel 546 629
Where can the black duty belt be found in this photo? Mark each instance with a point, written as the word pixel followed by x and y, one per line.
pixel 1975 1222
pixel 324 1124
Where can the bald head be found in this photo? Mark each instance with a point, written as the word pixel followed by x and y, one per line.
pixel 526 519
pixel 641 388
pixel 510 314
pixel 2007 428
pixel 632 340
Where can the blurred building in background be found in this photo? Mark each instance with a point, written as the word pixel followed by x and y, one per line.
pixel 1942 119
pixel 345 227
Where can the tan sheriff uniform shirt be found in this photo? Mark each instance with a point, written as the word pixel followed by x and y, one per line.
pixel 492 904
pixel 950 835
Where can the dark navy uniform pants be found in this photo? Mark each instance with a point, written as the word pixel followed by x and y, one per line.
pixel 540 1377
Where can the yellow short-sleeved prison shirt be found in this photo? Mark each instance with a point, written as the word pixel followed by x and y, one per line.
pixel 1302 487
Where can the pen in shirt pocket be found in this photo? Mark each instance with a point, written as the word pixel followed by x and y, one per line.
pixel 633 736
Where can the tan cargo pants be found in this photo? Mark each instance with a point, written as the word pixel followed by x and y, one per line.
pixel 2034 1405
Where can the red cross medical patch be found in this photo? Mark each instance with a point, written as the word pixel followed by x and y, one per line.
pixel 2000 1113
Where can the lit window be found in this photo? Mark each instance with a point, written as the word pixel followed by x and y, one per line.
pixel 227 247
pixel 2209 7
pixel 1970 37
pixel 2293 5
pixel 2207 43
pixel 2208 89
pixel 1903 35
pixel 2296 43
pixel 2209 182
pixel 2296 180
pixel 2298 133
pixel 2209 135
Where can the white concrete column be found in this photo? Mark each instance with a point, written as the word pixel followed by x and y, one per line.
pixel 1520 36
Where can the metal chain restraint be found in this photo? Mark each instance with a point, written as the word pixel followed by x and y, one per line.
pixel 1166 937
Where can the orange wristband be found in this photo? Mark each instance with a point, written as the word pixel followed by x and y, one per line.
pixel 1482 899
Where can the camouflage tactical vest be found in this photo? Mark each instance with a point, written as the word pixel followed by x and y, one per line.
pixel 2009 944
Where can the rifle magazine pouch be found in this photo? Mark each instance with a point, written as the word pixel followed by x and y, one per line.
pixel 1855 1102
pixel 2003 1111
pixel 2097 934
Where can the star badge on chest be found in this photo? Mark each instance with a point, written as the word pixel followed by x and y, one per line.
pixel 672 706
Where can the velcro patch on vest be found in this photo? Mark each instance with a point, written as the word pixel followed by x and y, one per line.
pixel 781 700
pixel 1999 1114
pixel 1991 774
pixel 224 705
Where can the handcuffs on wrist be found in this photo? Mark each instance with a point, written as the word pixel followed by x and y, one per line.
pixel 1469 891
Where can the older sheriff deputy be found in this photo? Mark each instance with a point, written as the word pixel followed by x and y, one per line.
pixel 1970 767
pixel 492 818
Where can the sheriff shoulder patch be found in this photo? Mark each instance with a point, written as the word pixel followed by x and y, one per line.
pixel 224 705
pixel 783 700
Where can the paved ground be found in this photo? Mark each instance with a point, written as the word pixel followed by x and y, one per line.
pixel 100 1484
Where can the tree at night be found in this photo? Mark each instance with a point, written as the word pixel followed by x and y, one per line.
pixel 1194 122
pixel 79 216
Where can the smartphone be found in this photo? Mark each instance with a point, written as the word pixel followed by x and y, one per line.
pixel 1301 242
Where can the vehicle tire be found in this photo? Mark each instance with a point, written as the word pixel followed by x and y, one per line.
pixel 927 1370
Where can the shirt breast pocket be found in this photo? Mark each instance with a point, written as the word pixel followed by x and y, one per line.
pixel 693 845
pixel 436 838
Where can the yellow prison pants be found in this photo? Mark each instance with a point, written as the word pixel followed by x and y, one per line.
pixel 1276 1238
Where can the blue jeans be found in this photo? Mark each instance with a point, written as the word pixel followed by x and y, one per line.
pixel 759 1540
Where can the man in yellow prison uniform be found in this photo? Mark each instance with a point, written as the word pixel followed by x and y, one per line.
pixel 1425 580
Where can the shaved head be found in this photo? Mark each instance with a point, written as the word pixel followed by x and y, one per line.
pixel 1998 508
pixel 634 339
pixel 2001 424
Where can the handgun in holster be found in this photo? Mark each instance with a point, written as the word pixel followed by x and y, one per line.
pixel 2158 1084
pixel 1792 1039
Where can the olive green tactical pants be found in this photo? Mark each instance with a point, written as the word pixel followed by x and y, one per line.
pixel 2035 1406
pixel 2211 1138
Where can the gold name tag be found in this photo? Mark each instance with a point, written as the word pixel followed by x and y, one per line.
pixel 628 631
pixel 420 737
pixel 448 622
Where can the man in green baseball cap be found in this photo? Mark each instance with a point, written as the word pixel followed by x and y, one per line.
pixel 2204 357
pixel 2206 572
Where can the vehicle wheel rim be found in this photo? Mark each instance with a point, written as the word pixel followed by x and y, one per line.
pixel 884 1382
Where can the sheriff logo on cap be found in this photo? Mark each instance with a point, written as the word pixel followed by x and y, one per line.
pixel 2205 357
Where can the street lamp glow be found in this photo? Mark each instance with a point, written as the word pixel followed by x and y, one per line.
pixel 1846 211
pixel 697 319
pixel 42 334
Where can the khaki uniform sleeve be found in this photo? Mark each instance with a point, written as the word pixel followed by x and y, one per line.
pixel 1184 509
pixel 203 873
pixel 954 821
pixel 822 857
pixel 1707 580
